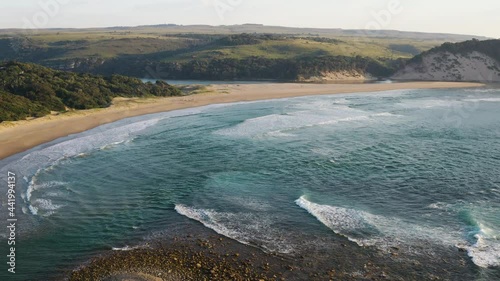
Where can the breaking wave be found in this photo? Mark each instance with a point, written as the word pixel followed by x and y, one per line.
pixel 247 228
pixel 367 229
pixel 280 125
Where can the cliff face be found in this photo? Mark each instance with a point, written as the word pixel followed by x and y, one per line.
pixel 467 61
pixel 446 66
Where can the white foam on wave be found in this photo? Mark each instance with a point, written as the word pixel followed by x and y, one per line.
pixel 111 145
pixel 482 90
pixel 280 125
pixel 50 155
pixel 278 134
pixel 428 103
pixel 347 119
pixel 126 248
pixel 483 100
pixel 340 101
pixel 43 207
pixel 382 231
pixel 45 204
pixel 46 159
pixel 34 185
pixel 485 252
pixel 81 146
pixel 321 105
pixel 265 124
pixel 342 221
pixel 33 210
pixel 439 206
pixel 247 228
pixel 384 114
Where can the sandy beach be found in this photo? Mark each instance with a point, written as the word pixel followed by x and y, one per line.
pixel 16 137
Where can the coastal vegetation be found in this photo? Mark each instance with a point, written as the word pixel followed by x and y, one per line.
pixel 217 53
pixel 265 68
pixel 30 90
pixel 490 48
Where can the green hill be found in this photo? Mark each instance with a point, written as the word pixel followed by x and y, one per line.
pixel 49 44
pixel 207 56
pixel 30 90
pixel 220 52
pixel 171 51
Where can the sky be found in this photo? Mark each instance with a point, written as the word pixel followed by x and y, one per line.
pixel 479 17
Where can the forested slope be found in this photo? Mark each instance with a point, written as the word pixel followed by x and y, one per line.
pixel 30 90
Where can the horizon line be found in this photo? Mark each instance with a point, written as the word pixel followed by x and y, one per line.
pixel 249 24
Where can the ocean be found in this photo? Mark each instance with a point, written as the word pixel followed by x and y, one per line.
pixel 413 170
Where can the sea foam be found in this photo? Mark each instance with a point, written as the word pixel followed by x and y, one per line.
pixel 125 248
pixel 485 252
pixel 483 100
pixel 46 159
pixel 246 228
pixel 304 116
pixel 92 140
pixel 346 222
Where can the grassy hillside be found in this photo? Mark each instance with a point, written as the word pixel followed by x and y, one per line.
pixel 51 45
pixel 29 90
pixel 136 51
pixel 285 47
pixel 204 56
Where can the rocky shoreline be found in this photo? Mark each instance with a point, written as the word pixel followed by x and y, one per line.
pixel 208 256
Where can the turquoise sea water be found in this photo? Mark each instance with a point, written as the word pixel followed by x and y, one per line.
pixel 393 169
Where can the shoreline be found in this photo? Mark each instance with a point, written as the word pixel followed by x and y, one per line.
pixel 19 136
pixel 194 252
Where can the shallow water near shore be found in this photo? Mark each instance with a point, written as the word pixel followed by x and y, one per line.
pixel 412 171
